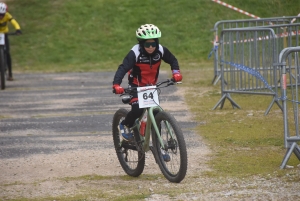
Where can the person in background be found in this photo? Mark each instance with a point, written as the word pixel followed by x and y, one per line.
pixel 142 64
pixel 6 17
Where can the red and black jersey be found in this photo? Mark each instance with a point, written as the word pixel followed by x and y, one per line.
pixel 143 68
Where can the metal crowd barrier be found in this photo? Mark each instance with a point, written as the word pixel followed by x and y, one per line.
pixel 246 62
pixel 289 62
pixel 229 24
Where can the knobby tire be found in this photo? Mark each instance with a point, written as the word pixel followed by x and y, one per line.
pixel 175 169
pixel 132 161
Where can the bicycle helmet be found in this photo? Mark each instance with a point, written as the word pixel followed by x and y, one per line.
pixel 147 31
pixel 3 8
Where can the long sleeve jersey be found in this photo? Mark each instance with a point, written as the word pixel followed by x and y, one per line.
pixel 142 68
pixel 4 23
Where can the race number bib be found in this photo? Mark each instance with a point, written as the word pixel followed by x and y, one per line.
pixel 147 96
pixel 2 39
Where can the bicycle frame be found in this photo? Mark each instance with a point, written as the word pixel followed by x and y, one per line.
pixel 151 122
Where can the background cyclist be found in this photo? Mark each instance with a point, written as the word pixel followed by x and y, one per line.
pixel 6 17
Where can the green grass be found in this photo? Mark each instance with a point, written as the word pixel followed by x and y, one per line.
pixel 95 35
pixel 245 142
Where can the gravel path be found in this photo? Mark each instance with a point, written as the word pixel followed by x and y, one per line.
pixel 59 125
pixel 54 126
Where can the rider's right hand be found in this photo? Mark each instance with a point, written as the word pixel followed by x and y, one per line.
pixel 118 89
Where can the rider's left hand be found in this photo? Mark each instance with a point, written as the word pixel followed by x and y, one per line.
pixel 177 77
pixel 18 32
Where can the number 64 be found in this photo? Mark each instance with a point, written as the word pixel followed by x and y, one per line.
pixel 146 96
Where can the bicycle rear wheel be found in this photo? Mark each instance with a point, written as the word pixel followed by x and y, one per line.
pixel 175 167
pixel 131 160
pixel 2 67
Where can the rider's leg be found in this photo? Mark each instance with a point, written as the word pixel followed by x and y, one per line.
pixel 132 115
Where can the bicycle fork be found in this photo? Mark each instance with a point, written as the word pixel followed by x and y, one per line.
pixel 146 146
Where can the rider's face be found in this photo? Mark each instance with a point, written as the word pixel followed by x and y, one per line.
pixel 150 46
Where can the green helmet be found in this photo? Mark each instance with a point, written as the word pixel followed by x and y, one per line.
pixel 148 31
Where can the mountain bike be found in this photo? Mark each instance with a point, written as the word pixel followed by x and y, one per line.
pixel 3 62
pixel 161 126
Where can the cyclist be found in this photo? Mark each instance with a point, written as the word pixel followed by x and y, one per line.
pixel 142 64
pixel 6 17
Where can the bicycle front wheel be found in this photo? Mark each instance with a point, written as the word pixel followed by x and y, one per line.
pixel 2 68
pixel 131 160
pixel 172 157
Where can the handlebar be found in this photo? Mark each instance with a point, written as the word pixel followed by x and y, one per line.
pixel 16 33
pixel 12 34
pixel 134 89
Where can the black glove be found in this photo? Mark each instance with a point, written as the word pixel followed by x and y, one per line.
pixel 18 32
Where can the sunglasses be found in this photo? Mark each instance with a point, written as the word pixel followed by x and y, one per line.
pixel 148 44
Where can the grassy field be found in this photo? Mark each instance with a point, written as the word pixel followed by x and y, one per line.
pixel 95 35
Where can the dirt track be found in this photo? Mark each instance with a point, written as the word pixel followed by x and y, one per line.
pixel 59 125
